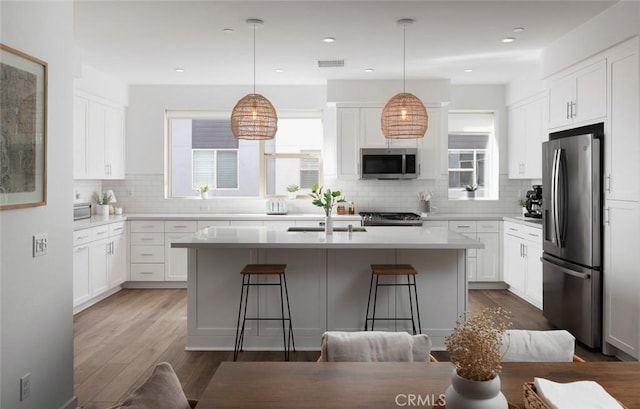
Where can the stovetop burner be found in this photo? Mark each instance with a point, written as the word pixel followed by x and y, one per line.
pixel 390 219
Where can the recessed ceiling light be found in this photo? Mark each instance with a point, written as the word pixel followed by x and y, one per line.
pixel 329 40
pixel 468 70
pixel 227 30
pixel 518 29
pixel 368 70
pixel 179 69
pixel 508 40
pixel 279 70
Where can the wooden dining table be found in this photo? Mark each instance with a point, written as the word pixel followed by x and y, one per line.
pixel 372 385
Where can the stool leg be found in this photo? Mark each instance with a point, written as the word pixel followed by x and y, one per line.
pixel 413 323
pixel 375 299
pixel 366 318
pixel 235 348
pixel 244 317
pixel 286 293
pixel 284 333
pixel 415 291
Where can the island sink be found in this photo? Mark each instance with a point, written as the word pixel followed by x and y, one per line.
pixel 321 228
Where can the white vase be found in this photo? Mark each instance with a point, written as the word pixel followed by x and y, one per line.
pixel 204 195
pixel 292 195
pixel 466 394
pixel 328 224
pixel 102 210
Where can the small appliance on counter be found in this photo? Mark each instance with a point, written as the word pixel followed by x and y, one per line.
pixel 534 202
pixel 276 206
pixel 81 211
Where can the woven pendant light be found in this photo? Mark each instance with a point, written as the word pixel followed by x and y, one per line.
pixel 404 116
pixel 254 117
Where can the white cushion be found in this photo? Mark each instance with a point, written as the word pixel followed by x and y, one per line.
pixel 162 390
pixel 374 346
pixel 537 346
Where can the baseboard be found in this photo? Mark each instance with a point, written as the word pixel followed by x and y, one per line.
pixel 71 404
pixel 96 299
pixel 487 285
pixel 155 284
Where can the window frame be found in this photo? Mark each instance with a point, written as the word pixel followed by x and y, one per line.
pixel 215 167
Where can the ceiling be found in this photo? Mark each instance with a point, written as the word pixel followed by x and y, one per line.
pixel 143 42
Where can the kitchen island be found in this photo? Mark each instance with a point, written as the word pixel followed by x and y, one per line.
pixel 328 282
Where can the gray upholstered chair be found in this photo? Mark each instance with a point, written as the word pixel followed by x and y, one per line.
pixel 538 346
pixel 375 346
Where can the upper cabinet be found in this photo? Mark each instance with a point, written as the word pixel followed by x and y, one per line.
pixel 359 127
pixel 578 97
pixel 527 130
pixel 622 139
pixel 99 144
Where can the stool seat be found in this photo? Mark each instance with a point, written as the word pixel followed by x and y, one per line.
pixel 267 269
pixel 393 269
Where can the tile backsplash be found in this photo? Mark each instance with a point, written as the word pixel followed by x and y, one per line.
pixel 145 194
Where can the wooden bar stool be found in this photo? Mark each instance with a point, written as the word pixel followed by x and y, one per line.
pixel 264 270
pixel 378 270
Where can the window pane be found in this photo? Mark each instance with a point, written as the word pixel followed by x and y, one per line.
pixel 203 168
pixel 227 169
pixel 459 179
pixel 281 172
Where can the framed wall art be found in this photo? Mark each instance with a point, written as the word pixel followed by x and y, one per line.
pixel 23 130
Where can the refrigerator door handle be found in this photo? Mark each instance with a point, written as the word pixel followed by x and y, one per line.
pixel 554 197
pixel 584 276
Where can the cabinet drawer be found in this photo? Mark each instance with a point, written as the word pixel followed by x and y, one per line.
pixel 522 231
pixel 463 226
pixel 147 254
pixel 435 223
pixel 116 229
pixel 81 237
pixel 488 226
pixel 100 232
pixel 147 272
pixel 147 226
pixel 147 239
pixel 178 226
pixel 533 234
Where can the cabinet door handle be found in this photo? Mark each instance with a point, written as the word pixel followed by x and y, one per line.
pixel 146 254
pixel 464 227
pixel 81 248
pixel 607 215
pixel 525 250
pixel 146 272
pixel 567 111
pixel 574 110
pixel 146 239
pixel 607 183
pixel 521 250
pixel 419 168
pixel 512 229
pixel 82 237
pixel 180 227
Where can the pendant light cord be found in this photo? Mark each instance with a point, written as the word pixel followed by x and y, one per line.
pixel 254 58
pixel 404 63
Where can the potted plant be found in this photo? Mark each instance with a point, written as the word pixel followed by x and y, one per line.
pixel 102 203
pixel 326 200
pixel 474 349
pixel 292 189
pixel 471 189
pixel 522 202
pixel 204 190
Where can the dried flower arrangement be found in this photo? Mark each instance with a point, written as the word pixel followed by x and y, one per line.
pixel 474 345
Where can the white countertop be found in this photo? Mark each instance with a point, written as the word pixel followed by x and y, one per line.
pixel 464 216
pixel 238 216
pixel 98 221
pixel 375 237
pixel 527 221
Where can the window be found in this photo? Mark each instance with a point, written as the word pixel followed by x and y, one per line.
pixel 201 149
pixel 473 159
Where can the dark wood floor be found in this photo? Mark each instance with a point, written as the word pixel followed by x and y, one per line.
pixel 119 340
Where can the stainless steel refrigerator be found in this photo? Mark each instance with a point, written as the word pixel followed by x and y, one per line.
pixel 572 232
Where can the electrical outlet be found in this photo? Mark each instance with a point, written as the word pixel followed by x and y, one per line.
pixel 40 244
pixel 25 386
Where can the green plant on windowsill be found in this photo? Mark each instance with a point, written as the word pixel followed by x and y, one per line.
pixel 102 198
pixel 292 188
pixel 203 188
pixel 471 187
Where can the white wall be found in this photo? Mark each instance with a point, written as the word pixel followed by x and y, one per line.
pixel 147 105
pixel 36 293
pixel 616 24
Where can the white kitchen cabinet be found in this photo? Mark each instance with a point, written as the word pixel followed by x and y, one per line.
pixel 482 264
pixel 117 260
pixel 432 148
pixel 371 135
pixel 99 144
pixel 621 309
pixel 81 266
pixel 147 250
pixel 522 266
pixel 622 140
pixel 579 96
pixel 527 131
pixel 348 146
pixel 99 266
pixel 176 265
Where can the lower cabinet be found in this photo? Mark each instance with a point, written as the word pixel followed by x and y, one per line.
pixel 175 264
pixel 483 265
pixel 99 262
pixel 522 266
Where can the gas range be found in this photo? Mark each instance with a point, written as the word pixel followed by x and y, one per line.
pixel 390 219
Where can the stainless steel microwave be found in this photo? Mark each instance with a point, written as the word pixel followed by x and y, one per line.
pixel 392 163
